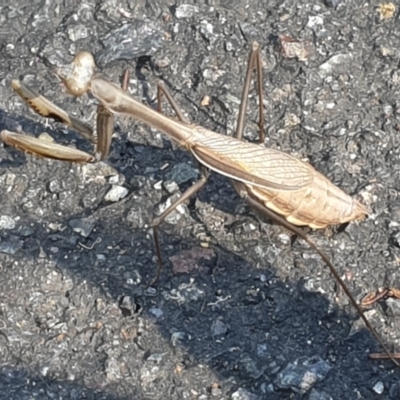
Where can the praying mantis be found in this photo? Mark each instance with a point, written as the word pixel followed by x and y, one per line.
pixel 276 184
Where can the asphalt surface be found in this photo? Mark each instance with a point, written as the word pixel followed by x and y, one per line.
pixel 242 309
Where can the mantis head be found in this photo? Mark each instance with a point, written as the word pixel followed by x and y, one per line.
pixel 77 75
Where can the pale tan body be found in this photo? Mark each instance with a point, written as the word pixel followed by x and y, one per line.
pixel 283 183
pixel 274 183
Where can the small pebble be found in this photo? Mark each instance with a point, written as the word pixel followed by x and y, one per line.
pixel 81 226
pixel 116 193
pixel 186 11
pixel 7 222
pixel 378 387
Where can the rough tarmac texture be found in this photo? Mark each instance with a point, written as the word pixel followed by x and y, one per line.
pixel 243 303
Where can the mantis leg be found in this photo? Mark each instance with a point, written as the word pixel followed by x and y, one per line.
pixel 253 63
pixel 246 195
pixel 204 173
pixel 162 92
pixel 47 109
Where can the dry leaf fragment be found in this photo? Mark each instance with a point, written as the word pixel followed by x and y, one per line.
pixel 294 48
pixel 386 10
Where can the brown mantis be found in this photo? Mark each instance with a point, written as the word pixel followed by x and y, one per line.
pixel 274 183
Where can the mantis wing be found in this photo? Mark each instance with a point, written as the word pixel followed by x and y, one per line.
pixel 253 165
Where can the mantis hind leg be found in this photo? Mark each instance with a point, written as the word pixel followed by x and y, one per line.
pixel 260 208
